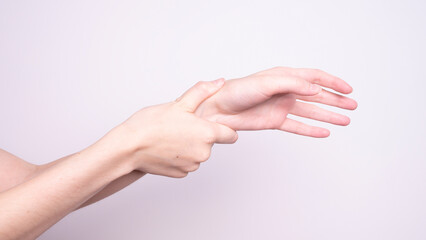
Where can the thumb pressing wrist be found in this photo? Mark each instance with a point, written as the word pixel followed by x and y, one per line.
pixel 198 93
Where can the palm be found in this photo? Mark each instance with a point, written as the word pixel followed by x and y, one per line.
pixel 263 101
pixel 250 109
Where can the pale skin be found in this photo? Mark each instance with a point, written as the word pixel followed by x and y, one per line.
pixel 170 139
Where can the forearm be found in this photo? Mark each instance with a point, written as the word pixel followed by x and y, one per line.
pixel 28 209
pixel 106 191
pixel 114 187
pixel 14 170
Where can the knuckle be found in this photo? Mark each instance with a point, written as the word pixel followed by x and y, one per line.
pixel 316 71
pixel 321 96
pixel 203 156
pixel 202 86
pixel 210 136
pixel 298 83
pixel 193 167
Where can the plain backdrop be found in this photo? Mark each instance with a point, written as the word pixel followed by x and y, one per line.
pixel 72 70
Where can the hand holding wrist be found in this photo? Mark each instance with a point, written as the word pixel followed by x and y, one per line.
pixel 168 139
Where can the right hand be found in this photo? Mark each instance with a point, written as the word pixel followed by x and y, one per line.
pixel 168 139
pixel 265 99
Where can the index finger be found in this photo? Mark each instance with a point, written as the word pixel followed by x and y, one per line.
pixel 322 78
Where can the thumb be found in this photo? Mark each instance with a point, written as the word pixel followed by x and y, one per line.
pixel 224 134
pixel 198 93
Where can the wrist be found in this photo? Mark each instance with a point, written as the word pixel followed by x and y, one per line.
pixel 208 111
pixel 112 152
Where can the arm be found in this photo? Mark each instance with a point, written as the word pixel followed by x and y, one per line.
pixel 21 170
pixel 31 207
pixel 262 101
pixel 258 101
pixel 272 94
pixel 15 171
pixel 108 190
pixel 154 140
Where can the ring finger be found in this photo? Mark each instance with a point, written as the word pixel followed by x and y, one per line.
pixel 311 111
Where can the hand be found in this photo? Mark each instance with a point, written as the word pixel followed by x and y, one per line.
pixel 264 99
pixel 168 139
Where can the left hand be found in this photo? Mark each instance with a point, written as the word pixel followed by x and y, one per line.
pixel 264 99
pixel 168 139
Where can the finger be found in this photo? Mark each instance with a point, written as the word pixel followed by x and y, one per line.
pixel 223 134
pixel 311 111
pixel 170 172
pixel 279 85
pixel 322 78
pixel 191 167
pixel 176 174
pixel 293 126
pixel 332 99
pixel 202 90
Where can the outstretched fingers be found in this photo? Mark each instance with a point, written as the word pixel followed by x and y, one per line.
pixel 332 99
pixel 311 111
pixel 296 127
pixel 322 78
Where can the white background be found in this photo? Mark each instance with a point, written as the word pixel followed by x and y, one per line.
pixel 72 70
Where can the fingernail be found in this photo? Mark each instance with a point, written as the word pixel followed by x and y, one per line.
pixel 219 81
